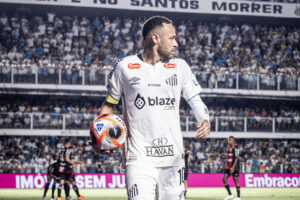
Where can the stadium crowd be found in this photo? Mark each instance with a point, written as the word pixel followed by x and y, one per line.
pixel 33 154
pixel 82 46
pixel 50 114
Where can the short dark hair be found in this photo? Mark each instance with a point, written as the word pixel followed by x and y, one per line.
pixel 154 22
pixel 231 137
pixel 67 141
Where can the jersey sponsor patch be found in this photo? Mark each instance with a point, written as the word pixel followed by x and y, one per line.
pixel 169 65
pixel 154 84
pixel 160 148
pixel 139 101
pixel 164 103
pixel 134 65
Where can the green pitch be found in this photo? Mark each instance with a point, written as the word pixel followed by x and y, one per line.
pixel 193 194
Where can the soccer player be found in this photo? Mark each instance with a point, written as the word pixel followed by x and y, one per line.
pixel 66 158
pixel 151 84
pixel 232 168
pixel 52 173
pixel 186 168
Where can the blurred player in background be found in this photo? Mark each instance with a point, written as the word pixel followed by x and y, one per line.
pixel 52 173
pixel 151 84
pixel 67 175
pixel 232 168
pixel 187 153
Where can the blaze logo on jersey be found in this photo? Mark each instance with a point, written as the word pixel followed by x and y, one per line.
pixel 139 101
pixel 169 65
pixel 134 65
pixel 172 80
pixel 166 103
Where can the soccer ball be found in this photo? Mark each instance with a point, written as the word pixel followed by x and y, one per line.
pixel 108 132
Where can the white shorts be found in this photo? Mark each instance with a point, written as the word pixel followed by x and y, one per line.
pixel 145 183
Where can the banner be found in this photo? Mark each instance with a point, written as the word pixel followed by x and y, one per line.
pixel 245 180
pixel 227 7
pixel 26 181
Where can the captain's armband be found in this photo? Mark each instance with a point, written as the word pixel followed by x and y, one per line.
pixel 111 100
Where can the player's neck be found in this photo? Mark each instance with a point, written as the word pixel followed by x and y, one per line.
pixel 150 56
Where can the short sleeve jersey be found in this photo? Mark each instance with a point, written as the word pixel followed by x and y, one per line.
pixel 232 155
pixel 151 97
pixel 66 151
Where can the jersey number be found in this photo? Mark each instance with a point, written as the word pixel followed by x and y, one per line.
pixel 181 176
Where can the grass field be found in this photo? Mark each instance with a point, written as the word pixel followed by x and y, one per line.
pixel 193 194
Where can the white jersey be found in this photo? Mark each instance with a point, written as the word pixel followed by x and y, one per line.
pixel 151 98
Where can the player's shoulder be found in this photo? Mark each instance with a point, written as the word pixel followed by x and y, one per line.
pixel 128 62
pixel 178 60
pixel 179 63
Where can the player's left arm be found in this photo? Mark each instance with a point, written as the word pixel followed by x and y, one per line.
pixel 237 157
pixel 108 107
pixel 190 91
pixel 70 161
pixel 201 113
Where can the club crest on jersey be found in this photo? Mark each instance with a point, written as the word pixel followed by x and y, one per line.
pixel 134 65
pixel 169 65
pixel 172 80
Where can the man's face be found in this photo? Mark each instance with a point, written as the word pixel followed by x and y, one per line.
pixel 230 141
pixel 167 44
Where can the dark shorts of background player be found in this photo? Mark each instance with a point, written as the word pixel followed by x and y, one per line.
pixel 67 175
pixel 56 177
pixel 186 173
pixel 236 172
pixel 53 175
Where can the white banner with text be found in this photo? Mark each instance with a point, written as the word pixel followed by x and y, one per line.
pixel 227 7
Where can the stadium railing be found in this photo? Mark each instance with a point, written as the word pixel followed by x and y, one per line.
pixel 82 121
pixel 72 76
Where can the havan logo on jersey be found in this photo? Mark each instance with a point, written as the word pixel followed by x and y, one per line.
pixel 166 103
pixel 160 148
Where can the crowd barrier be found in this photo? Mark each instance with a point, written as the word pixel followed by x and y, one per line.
pixel 24 181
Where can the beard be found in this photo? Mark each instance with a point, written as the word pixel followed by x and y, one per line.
pixel 165 55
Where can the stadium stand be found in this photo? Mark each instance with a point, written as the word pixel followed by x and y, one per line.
pixel 75 50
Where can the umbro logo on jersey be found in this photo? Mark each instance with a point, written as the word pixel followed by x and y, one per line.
pixel 169 65
pixel 139 101
pixel 134 81
pixel 134 65
pixel 172 80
